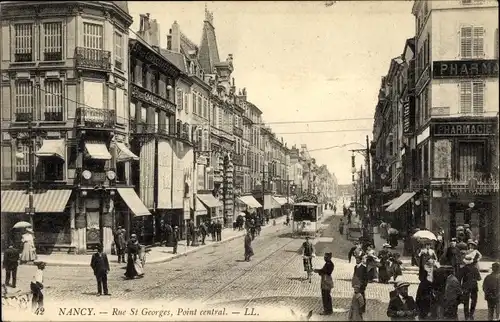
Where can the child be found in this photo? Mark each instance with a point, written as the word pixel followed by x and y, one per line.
pixel 357 305
pixel 491 289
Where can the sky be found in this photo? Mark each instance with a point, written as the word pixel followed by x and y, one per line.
pixel 302 61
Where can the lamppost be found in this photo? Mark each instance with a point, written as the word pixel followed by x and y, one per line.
pixel 30 210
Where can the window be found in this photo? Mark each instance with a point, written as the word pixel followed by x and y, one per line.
pixel 144 114
pixel 53 100
pixel 132 71
pixel 23 34
pixel 24 100
pixel 471 156
pixel 155 79
pixel 145 71
pixel 53 169
pixel 425 104
pixel 200 106
pixel 186 102
pixel 22 165
pixel 194 103
pixel 180 97
pixel 118 51
pixel 92 36
pixel 93 41
pixel 156 121
pixel 132 110
pixel 471 42
pixel 52 41
pixel 205 108
pixel 6 158
pixel 471 97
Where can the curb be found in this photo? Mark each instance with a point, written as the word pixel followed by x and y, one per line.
pixel 154 261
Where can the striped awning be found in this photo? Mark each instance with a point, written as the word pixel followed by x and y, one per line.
pixel 124 153
pixel 16 201
pixel 97 150
pixel 52 148
pixel 401 200
pixel 133 202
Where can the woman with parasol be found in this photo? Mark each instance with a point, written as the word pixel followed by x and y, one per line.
pixel 134 266
pixel 423 242
pixel 28 253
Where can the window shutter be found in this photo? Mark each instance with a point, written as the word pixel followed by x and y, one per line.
pixel 186 102
pixel 466 42
pixel 465 97
pixel 477 97
pixel 478 42
pixel 194 103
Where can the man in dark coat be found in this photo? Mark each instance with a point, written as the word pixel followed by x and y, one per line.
pixel 190 236
pixel 121 244
pixel 100 265
pixel 218 230
pixel 10 263
pixel 248 247
pixel 452 296
pixel 452 255
pixel 326 284
pixel 401 306
pixel 203 232
pixel 168 230
pixel 469 276
pixel 175 240
pixel 360 275
pixel 213 230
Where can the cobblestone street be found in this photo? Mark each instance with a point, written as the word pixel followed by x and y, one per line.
pixel 217 276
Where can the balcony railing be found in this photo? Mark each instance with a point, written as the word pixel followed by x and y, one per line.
pixel 96 59
pixel 470 185
pixel 237 131
pixel 92 117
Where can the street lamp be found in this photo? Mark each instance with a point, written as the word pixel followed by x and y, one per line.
pixel 20 156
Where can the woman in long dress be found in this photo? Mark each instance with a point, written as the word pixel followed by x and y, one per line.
pixel 134 267
pixel 29 251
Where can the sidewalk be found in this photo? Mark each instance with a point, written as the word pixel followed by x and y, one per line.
pixel 157 254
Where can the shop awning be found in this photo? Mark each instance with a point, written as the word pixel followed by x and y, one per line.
pixel 280 200
pixel 124 154
pixel 97 150
pixel 388 203
pixel 16 201
pixel 401 200
pixel 133 202
pixel 250 201
pixel 52 148
pixel 270 202
pixel 200 208
pixel 209 201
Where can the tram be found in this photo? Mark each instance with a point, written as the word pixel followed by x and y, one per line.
pixel 306 212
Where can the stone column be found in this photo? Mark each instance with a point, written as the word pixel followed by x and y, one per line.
pixel 81 227
pixel 107 223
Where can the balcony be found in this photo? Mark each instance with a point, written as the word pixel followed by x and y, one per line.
pixel 92 59
pixel 470 185
pixel 238 131
pixel 95 118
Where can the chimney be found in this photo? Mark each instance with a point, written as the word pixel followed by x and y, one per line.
pixel 175 36
pixel 154 32
pixel 169 40
pixel 144 27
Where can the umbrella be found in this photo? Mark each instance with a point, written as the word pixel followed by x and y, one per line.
pixel 425 234
pixel 22 224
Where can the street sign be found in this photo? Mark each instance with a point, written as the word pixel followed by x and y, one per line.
pixel 29 211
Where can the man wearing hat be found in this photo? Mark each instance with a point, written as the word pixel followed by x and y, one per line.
pixel 326 284
pixel 100 266
pixel 402 305
pixel 10 263
pixel 121 244
pixel 452 255
pixel 491 289
pixel 175 239
pixel 468 276
pixel 467 232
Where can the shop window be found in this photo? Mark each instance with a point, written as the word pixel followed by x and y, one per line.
pixel 53 169
pixel 52 229
pixel 471 160
pixel 120 172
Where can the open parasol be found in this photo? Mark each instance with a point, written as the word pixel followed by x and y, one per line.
pixel 21 224
pixel 424 234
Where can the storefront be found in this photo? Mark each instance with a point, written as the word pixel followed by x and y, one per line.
pixel 248 203
pixel 211 205
pixel 464 190
pixel 53 220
